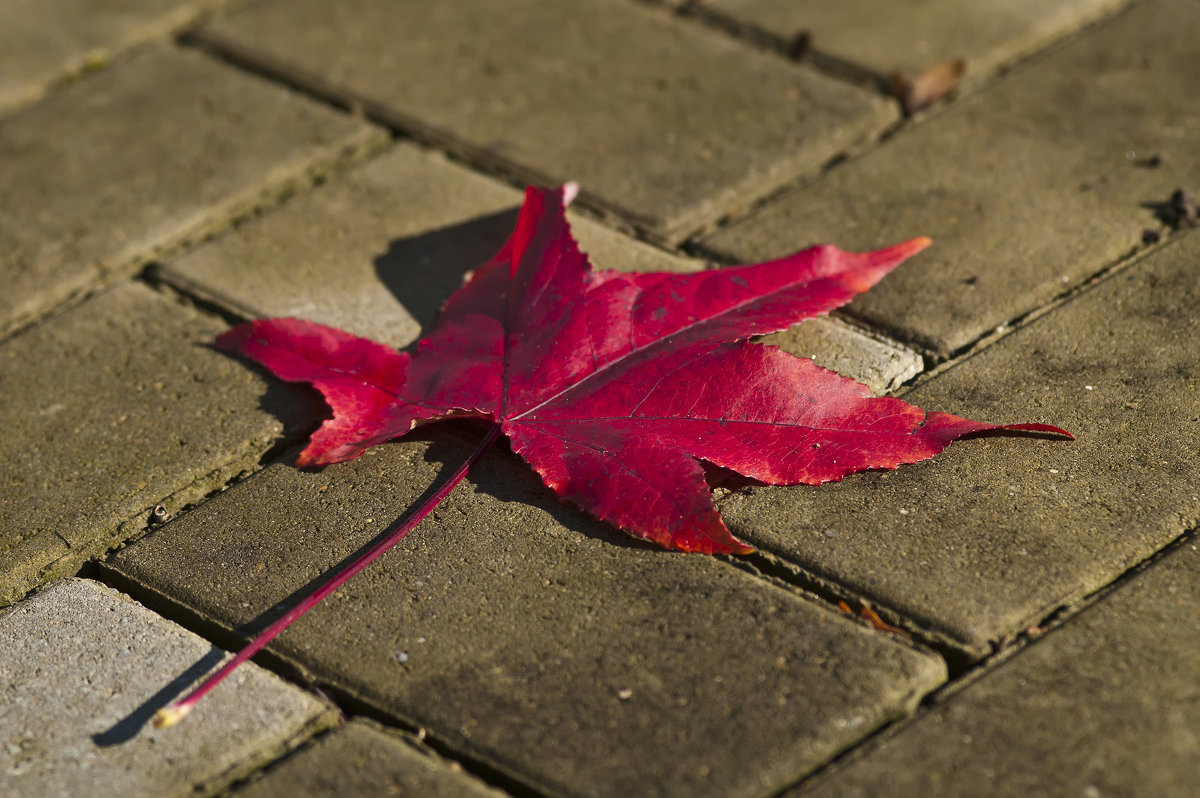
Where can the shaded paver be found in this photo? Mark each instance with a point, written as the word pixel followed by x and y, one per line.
pixel 1026 189
pixel 82 670
pixel 45 41
pixel 380 250
pixel 167 144
pixel 672 139
pixel 909 36
pixel 111 408
pixel 363 759
pixel 1106 705
pixel 521 633
pixel 996 533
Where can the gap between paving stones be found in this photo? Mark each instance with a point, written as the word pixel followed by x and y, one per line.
pixel 405 129
pixel 956 683
pixel 797 49
pixel 345 702
pixel 481 160
pixel 105 54
pixel 267 200
pixel 274 190
pixel 934 368
pixel 694 247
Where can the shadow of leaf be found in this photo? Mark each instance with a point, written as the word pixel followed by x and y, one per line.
pixel 423 271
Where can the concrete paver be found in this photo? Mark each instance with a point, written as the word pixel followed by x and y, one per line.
pixel 1106 705
pixel 111 408
pixel 679 129
pixel 83 669
pixel 379 251
pixel 364 759
pixel 1027 189
pixel 994 534
pixel 529 637
pixel 98 178
pixel 910 36
pixel 49 40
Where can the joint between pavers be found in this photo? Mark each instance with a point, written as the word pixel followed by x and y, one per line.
pixel 666 235
pixel 937 364
pixel 74 558
pixel 797 49
pixel 228 214
pixel 103 57
pixel 343 698
pixel 822 589
pixel 323 722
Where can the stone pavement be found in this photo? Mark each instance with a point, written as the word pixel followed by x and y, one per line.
pixel 169 167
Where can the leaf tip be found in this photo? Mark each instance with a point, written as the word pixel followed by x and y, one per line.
pixel 570 191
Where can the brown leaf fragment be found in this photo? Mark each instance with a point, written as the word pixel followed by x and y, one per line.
pixel 880 624
pixel 930 86
pixel 869 615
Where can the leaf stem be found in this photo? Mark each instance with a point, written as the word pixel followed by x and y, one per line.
pixel 174 713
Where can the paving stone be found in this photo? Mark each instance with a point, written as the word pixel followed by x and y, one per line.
pixel 911 36
pixel 1106 705
pixel 379 251
pixel 994 534
pixel 528 637
pixel 48 41
pixel 880 364
pixel 164 145
pixel 364 759
pixel 679 129
pixel 111 408
pixel 83 669
pixel 1027 189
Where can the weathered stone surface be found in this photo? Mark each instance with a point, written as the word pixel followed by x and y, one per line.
pixel 165 145
pixel 364 759
pixel 669 124
pixel 994 534
pixel 45 41
pixel 1027 189
pixel 379 251
pixel 1106 705
pixel 83 669
pixel 525 635
pixel 909 36
pixel 111 408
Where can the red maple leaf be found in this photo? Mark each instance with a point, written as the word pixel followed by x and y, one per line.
pixel 613 386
